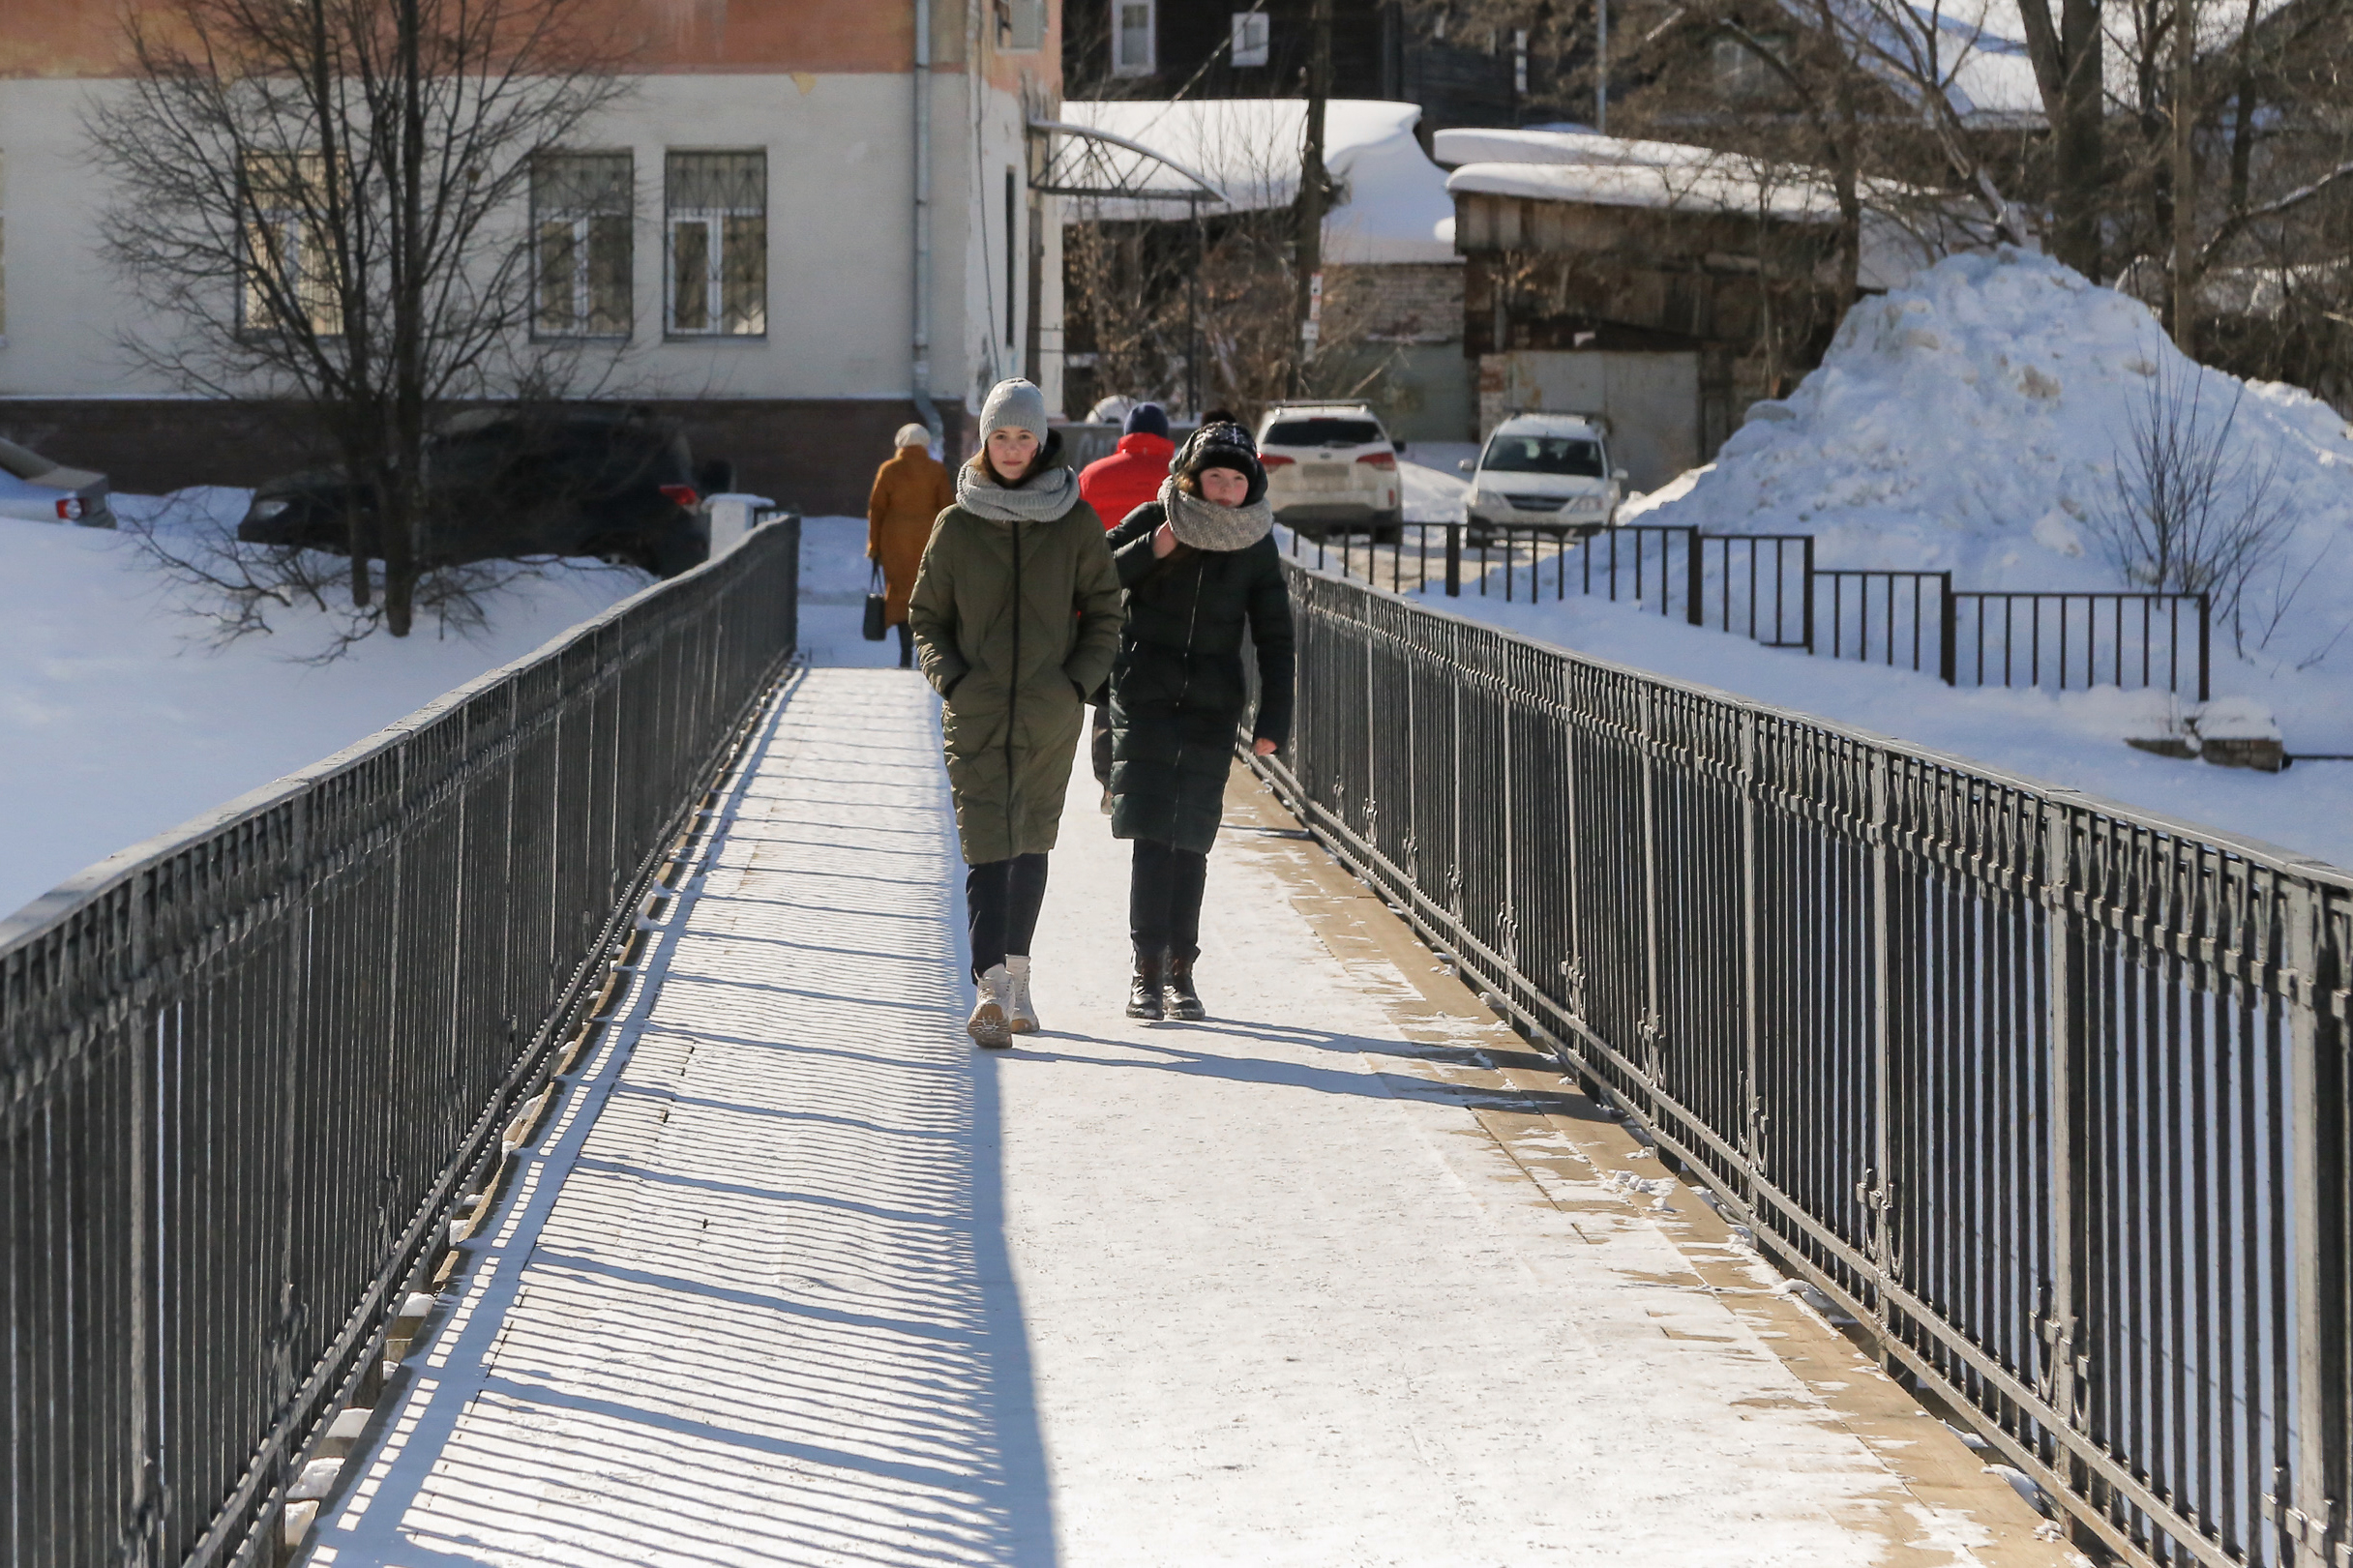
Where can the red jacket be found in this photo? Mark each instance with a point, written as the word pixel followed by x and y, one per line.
pixel 1117 484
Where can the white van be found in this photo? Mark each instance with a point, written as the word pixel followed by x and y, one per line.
pixel 1544 471
pixel 1329 466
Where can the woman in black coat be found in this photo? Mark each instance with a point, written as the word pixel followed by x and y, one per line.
pixel 1200 565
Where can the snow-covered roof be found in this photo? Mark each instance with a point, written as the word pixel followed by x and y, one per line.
pixel 1455 148
pixel 1722 187
pixel 1393 205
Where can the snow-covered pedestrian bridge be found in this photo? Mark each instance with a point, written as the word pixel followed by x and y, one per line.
pixel 1345 1276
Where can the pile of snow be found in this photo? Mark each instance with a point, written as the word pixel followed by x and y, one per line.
pixel 1393 204
pixel 117 721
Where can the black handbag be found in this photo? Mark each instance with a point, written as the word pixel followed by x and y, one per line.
pixel 877 607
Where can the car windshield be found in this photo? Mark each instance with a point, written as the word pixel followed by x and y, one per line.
pixel 23 464
pixel 1323 433
pixel 1544 455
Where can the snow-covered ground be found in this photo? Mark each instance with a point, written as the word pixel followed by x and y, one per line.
pixel 1970 422
pixel 118 722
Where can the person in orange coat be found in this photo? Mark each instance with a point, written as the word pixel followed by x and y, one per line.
pixel 911 491
pixel 1133 474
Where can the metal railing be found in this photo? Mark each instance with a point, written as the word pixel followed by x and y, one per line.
pixel 252 1064
pixel 1767 588
pixel 2049 1093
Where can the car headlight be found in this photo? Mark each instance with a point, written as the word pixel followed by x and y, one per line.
pixel 264 510
pixel 1585 503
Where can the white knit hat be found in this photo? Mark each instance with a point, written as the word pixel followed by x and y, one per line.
pixel 912 435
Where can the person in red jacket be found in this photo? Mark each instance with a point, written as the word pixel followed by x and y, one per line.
pixel 1117 484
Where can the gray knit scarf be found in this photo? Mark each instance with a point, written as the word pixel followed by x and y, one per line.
pixel 1046 496
pixel 1207 525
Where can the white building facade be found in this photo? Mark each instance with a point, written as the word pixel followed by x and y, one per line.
pixel 767 236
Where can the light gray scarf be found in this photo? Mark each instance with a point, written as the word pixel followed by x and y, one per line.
pixel 1046 496
pixel 1207 525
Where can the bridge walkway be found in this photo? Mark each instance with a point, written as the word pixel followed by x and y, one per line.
pixel 794 1276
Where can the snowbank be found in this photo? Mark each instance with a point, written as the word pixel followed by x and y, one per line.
pixel 115 725
pixel 1972 419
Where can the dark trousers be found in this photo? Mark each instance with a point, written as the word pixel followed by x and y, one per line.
pixel 1001 897
pixel 906 646
pixel 1099 743
pixel 1164 897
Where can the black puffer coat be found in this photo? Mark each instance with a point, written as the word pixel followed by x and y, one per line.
pixel 1176 691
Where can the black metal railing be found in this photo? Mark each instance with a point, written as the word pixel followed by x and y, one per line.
pixel 1767 588
pixel 252 1063
pixel 2049 1093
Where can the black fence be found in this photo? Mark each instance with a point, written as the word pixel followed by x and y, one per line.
pixel 2048 1093
pixel 252 1064
pixel 1767 588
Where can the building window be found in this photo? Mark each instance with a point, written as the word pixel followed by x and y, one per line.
pixel 1250 37
pixel 580 209
pixel 290 268
pixel 1740 74
pixel 1134 34
pixel 1021 25
pixel 715 245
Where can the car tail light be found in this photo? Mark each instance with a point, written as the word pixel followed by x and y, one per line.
pixel 1380 459
pixel 1268 460
pixel 69 509
pixel 680 495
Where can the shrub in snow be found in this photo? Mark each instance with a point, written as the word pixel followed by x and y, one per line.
pixel 1974 421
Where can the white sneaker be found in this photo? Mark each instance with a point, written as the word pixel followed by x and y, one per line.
pixel 987 1025
pixel 1019 1017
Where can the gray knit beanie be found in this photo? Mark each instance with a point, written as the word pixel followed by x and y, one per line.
pixel 1014 405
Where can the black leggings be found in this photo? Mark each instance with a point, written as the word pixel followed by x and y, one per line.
pixel 1002 898
pixel 1164 897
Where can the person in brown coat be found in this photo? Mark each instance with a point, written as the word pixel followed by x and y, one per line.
pixel 911 491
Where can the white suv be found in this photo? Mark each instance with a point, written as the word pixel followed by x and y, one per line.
pixel 1331 465
pixel 1544 471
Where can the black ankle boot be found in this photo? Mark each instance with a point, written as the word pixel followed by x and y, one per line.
pixel 1143 993
pixel 1181 1001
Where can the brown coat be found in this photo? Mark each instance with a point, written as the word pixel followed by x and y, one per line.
pixel 911 491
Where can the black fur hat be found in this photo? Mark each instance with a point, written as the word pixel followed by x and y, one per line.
pixel 1222 445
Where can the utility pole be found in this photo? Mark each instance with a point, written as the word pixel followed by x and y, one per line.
pixel 1601 65
pixel 1310 305
pixel 2185 176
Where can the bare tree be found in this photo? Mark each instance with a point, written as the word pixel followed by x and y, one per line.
pixel 2192 511
pixel 322 200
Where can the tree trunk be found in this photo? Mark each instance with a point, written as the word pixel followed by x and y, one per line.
pixel 2068 61
pixel 1311 193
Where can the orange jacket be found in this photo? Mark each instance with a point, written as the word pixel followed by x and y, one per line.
pixel 1117 484
pixel 911 491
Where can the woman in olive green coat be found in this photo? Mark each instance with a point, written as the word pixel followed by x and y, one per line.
pixel 1016 615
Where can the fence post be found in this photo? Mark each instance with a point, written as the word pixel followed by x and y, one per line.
pixel 1948 615
pixel 1454 560
pixel 2316 1286
pixel 2063 955
pixel 2205 619
pixel 1875 1191
pixel 1695 576
pixel 1809 593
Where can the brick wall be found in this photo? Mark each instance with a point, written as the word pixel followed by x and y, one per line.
pixel 1398 301
pixel 817 454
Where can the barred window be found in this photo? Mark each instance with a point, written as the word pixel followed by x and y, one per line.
pixel 289 261
pixel 582 204
pixel 716 238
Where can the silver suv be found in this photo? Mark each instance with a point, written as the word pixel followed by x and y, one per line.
pixel 1330 466
pixel 1544 471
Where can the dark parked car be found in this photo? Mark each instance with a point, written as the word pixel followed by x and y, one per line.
pixel 616 484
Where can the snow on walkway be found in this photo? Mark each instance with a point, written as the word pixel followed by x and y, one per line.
pixel 797 1278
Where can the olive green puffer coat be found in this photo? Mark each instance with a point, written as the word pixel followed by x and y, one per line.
pixel 1177 691
pixel 1015 623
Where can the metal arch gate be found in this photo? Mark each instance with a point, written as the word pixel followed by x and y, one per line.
pixel 2049 1093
